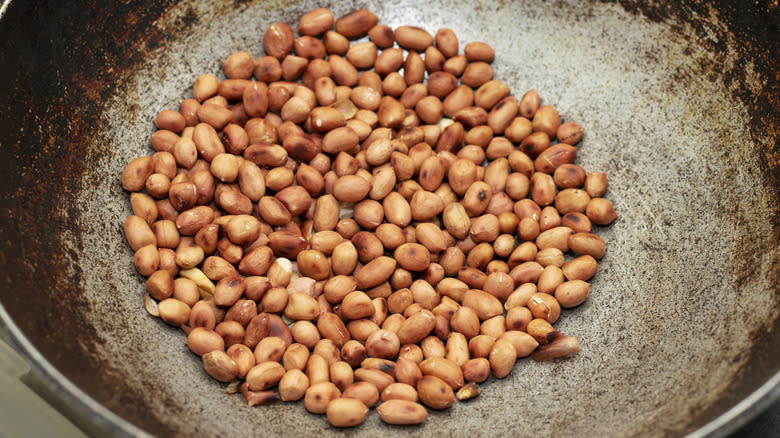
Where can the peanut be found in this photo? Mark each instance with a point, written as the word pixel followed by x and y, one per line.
pixel 379 231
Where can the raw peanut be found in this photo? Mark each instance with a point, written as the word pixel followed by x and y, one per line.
pixel 203 315
pixel 316 22
pixel 202 341
pixel 365 392
pixel 569 133
pixel 577 222
pixel 339 139
pixel 580 268
pixel 499 284
pixel 435 392
pixel 301 307
pixel 476 370
pixel 344 258
pixel 431 236
pixel 319 395
pixel 401 412
pixel 326 213
pixel 383 365
pixel 278 40
pixel 293 385
pixel 586 243
pixel 353 352
pixel 557 237
pixel 434 59
pixel 484 228
pixel 286 243
pixel 432 347
pixel 561 347
pixel 480 346
pixel 146 260
pixel 204 87
pixel 457 348
pixel 600 211
pixel 362 55
pixel 476 74
pixel 406 370
pixel 173 311
pixel 529 103
pixel 485 305
pixel 170 120
pixel 356 305
pixel 412 257
pixel 554 156
pixel 413 38
pixel 268 69
pixel 550 256
pixel 314 264
pixel 443 368
pixel 399 391
pixel 243 357
pixel 375 377
pixel 317 369
pixel 542 189
pixel 163 140
pixel 523 343
pixel 596 184
pixel 341 373
pixel 382 35
pixel 461 97
pixel 390 60
pixel 429 109
pixel 440 84
pixel 375 272
pixel 269 349
pixel 535 143
pixel 502 358
pixel 332 327
pixel 275 300
pixel 542 331
pixel 383 344
pixel 572 201
pixel 447 42
pixel 550 279
pixel 136 172
pixel 465 321
pixel 416 328
pixel 572 293
pixel 451 136
pixel 228 290
pixel 305 333
pixel 547 120
pixel 220 366
pixel 138 233
pixel 357 23
pixel 569 176
pixel 345 412
pixel 476 198
pixel 503 113
pixel 545 306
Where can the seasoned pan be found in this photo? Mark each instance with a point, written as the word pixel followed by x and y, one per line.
pixel 680 106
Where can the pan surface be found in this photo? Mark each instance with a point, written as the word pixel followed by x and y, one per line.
pixel 679 105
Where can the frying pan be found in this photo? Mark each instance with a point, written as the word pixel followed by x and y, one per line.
pixel 680 106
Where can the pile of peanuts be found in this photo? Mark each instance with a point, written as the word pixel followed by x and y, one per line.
pixel 359 223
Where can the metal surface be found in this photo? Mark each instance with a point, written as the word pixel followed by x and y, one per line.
pixel 680 108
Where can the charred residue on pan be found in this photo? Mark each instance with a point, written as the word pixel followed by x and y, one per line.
pixel 752 33
pixel 60 76
pixel 744 56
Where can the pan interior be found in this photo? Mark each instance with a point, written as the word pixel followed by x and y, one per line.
pixel 688 281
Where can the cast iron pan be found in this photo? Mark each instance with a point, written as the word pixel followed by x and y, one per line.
pixel 680 106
